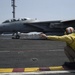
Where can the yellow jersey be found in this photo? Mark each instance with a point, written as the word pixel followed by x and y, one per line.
pixel 69 39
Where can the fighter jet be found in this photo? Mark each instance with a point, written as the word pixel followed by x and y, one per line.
pixel 26 25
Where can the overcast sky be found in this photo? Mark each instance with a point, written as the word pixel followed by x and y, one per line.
pixel 40 9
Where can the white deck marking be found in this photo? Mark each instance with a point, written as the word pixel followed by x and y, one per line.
pixel 57 50
pixel 37 73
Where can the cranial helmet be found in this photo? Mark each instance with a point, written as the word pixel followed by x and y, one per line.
pixel 69 30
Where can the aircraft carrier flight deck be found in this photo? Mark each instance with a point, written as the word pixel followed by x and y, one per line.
pixel 20 53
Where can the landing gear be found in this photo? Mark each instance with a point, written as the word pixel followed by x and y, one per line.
pixel 15 36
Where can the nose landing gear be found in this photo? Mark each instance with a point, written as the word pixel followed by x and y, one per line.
pixel 15 36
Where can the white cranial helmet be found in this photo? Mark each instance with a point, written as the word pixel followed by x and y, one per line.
pixel 69 30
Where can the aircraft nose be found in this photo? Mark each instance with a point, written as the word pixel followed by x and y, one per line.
pixel 2 28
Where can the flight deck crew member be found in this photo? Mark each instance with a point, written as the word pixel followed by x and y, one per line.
pixel 69 38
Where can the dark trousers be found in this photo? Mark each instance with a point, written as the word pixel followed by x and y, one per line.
pixel 70 53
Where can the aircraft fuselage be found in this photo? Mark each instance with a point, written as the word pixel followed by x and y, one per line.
pixel 27 25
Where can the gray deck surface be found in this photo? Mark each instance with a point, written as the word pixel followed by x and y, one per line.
pixel 31 53
pixel 18 53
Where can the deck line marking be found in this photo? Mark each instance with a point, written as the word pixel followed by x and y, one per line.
pixel 37 73
pixel 58 50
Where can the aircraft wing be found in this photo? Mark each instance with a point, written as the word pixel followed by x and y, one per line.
pixel 44 22
pixel 40 24
pixel 68 21
pixel 44 25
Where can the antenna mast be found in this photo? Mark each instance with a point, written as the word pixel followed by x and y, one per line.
pixel 13 6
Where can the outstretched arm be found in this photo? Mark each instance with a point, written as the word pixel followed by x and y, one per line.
pixel 64 38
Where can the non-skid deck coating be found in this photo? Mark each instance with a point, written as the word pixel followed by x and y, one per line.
pixel 18 55
pixel 31 53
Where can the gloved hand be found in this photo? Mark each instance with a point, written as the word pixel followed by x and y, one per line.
pixel 43 36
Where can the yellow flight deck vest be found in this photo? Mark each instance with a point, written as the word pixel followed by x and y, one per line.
pixel 69 39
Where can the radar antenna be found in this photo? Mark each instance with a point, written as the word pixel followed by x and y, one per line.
pixel 13 5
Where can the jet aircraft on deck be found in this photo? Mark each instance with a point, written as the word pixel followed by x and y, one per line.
pixel 26 25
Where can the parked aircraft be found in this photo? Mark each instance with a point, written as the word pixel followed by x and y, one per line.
pixel 26 25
